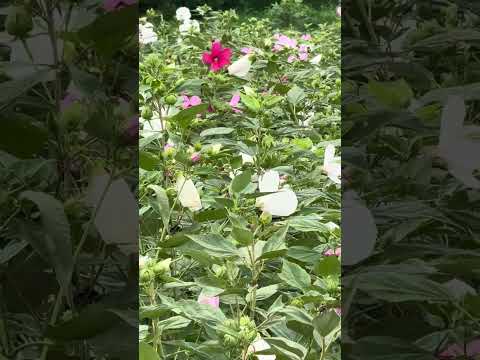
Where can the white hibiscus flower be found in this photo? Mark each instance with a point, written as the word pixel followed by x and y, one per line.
pixel 188 194
pixel 331 164
pixel 147 34
pixel 457 144
pixel 183 13
pixel 283 202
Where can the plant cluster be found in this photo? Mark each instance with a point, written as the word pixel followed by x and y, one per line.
pixel 239 188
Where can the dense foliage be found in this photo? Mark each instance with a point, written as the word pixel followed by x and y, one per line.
pixel 239 188
pixel 68 277
pixel 410 147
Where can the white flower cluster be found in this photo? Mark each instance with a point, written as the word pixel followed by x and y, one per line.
pixel 147 33
pixel 186 23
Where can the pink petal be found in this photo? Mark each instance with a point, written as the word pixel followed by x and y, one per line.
pixel 329 252
pixel 235 100
pixel 303 56
pixel 213 301
pixel 195 100
pixel 338 251
pixel 216 48
pixel 186 102
pixel 456 350
pixel 207 58
pixel 306 37
pixel 246 50
pixel 291 58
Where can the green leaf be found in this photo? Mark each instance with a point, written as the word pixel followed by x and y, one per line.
pixel 306 223
pixel 215 245
pixel 263 293
pixel 326 322
pixel 295 276
pixel 295 95
pixel 55 244
pixel 11 90
pixel 161 203
pixel 284 348
pixel 276 245
pixel 240 182
pixel 184 117
pixel 147 161
pixel 146 352
pixel 174 322
pixel 327 266
pixel 210 215
pixel 21 135
pixel 242 236
pixel 394 94
pixel 216 131
pixel 251 103
pixel 402 287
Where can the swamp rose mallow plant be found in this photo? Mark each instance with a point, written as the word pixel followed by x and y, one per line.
pixel 218 57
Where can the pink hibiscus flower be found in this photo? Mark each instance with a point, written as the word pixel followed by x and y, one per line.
pixel 189 102
pixel 292 58
pixel 285 41
pixel 112 5
pixel 218 57
pixel 303 56
pixel 213 301
pixel 195 157
pixel 306 37
pixel 246 50
pixel 234 103
pixel 331 252
pixel 68 100
pixel 457 350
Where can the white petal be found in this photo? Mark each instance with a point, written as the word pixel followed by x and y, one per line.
pixel 260 345
pixel 331 165
pixel 455 144
pixel 269 181
pixel 359 231
pixel 115 220
pixel 188 194
pixel 282 203
pixel 241 67
pixel 316 60
pixel 246 159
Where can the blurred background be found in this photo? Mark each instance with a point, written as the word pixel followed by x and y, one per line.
pixel 288 12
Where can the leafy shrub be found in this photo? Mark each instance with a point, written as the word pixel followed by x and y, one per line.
pixel 239 211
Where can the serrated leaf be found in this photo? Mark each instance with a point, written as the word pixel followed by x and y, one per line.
pixel 295 276
pixel 55 244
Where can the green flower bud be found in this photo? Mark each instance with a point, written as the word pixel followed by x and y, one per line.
pixel 265 218
pixel 147 113
pixel 162 267
pixel 171 99
pixel 19 21
pixel 146 275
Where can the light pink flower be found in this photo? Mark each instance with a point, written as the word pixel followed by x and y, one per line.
pixel 338 311
pixel 195 157
pixel 285 41
pixel 331 252
pixel 457 350
pixel 68 100
pixel 306 37
pixel 292 58
pixel 213 301
pixel 277 48
pixel 218 57
pixel 192 101
pixel 168 146
pixel 303 56
pixel 234 103
pixel 303 48
pixel 246 50
pixel 112 5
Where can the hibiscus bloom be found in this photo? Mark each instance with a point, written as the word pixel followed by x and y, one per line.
pixel 218 57
pixel 112 5
pixel 234 103
pixel 246 50
pixel 306 37
pixel 192 101
pixel 213 301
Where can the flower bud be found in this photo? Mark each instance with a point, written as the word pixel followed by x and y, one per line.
pixel 195 157
pixel 147 113
pixel 265 218
pixel 171 99
pixel 19 21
